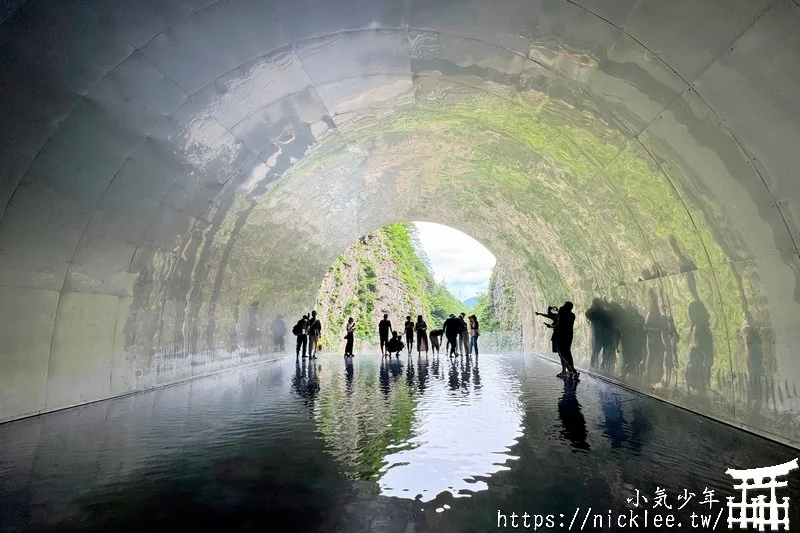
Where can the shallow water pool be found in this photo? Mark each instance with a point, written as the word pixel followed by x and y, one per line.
pixel 408 444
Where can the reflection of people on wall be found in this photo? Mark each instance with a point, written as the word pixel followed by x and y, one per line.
pixel 278 334
pixel 701 347
pixel 633 340
pixel 671 339
pixel 600 324
pixel 618 322
pixel 408 327
pixel 569 411
pixel 655 323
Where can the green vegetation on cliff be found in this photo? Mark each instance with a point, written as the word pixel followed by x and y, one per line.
pixel 496 308
pixel 386 271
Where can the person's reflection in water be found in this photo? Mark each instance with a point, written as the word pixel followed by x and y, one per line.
pixel 305 383
pixel 453 374
pixel 422 372
pixel 614 421
pixel 384 376
pixel 396 369
pixel 349 375
pixel 569 411
pixel 410 371
pixel 466 372
pixel 435 366
pixel 476 375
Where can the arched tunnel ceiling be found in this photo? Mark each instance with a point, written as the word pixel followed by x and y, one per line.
pixel 165 165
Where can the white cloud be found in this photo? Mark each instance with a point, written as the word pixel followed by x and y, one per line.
pixel 460 260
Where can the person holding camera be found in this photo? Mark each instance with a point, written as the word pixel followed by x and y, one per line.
pixel 562 323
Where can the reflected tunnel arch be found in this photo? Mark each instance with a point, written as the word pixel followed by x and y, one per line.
pixel 173 164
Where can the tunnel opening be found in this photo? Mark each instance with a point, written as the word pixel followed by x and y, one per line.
pixel 412 269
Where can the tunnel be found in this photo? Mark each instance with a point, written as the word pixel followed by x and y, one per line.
pixel 172 168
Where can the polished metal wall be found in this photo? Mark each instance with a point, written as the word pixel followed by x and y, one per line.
pixel 175 172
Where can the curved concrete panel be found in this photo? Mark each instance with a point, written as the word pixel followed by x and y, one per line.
pixel 174 173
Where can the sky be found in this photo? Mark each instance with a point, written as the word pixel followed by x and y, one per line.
pixel 463 263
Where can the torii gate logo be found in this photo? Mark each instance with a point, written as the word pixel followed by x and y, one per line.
pixel 760 512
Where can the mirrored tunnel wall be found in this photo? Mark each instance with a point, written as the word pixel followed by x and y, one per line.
pixel 175 173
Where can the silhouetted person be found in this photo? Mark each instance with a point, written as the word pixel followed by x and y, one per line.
pixel 350 329
pixel 278 333
pixel 473 334
pixel 701 347
pixel 600 323
pixel 301 331
pixel 422 335
pixel 671 339
pixel 564 331
pixel 552 315
pixel 569 411
pixel 408 327
pixel 655 323
pixel 436 340
pixel 314 332
pixel 639 340
pixel 463 335
pixel 384 328
pixel 452 326
pixel 395 345
pixel 619 320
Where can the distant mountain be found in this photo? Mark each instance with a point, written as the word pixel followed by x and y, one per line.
pixel 470 302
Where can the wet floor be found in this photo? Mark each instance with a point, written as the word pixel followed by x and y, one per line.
pixel 407 445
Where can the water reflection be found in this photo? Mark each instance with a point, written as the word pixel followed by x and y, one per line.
pixel 400 422
pixel 238 450
pixel 572 419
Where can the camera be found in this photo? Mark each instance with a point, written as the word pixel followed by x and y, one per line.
pixel 552 314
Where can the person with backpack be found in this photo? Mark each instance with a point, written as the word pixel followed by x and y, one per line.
pixel 314 331
pixel 300 330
